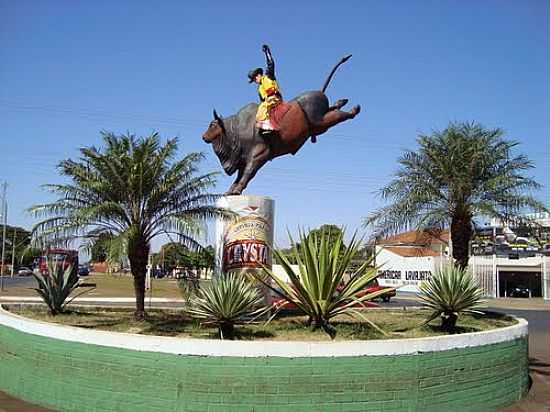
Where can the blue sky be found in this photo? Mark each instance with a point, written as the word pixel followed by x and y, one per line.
pixel 69 69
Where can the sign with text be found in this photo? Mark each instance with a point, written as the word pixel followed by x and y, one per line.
pixel 246 240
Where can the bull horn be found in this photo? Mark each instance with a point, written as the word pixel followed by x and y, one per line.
pixel 219 120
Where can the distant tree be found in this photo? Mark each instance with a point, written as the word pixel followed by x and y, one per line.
pixel 24 254
pixel 458 174
pixel 206 258
pixel 133 190
pixel 332 231
pixel 174 254
pixel 100 248
pixel 288 253
pixel 363 254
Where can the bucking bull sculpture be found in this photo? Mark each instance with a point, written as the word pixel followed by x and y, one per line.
pixel 240 147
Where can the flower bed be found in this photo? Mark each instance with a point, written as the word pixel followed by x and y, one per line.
pixel 77 369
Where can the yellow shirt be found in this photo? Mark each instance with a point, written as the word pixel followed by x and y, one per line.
pixel 267 87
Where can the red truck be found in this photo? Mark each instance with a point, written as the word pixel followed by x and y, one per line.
pixel 63 257
pixel 371 288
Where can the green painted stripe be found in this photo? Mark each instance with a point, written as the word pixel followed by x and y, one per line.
pixel 70 376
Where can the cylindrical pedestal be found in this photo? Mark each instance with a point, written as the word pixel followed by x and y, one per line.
pixel 243 244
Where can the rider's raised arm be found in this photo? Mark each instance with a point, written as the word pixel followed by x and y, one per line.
pixel 270 64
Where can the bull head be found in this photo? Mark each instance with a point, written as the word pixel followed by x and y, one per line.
pixel 219 120
pixel 215 130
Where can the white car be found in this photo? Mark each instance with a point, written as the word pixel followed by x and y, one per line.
pixel 23 271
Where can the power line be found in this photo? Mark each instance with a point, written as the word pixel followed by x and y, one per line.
pixel 358 140
pixel 141 116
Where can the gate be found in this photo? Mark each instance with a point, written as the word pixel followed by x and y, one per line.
pixel 483 269
pixel 546 277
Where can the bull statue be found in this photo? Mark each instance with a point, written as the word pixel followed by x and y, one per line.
pixel 240 147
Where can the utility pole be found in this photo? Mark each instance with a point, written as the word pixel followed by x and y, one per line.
pixel 13 252
pixel 5 216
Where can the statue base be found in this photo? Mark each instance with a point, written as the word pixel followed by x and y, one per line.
pixel 243 243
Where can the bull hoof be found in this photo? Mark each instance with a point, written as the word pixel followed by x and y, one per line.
pixel 355 111
pixel 343 102
pixel 233 192
pixel 338 105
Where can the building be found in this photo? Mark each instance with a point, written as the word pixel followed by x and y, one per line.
pixel 407 259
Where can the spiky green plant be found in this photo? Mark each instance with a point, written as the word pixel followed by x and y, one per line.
pixel 226 302
pixel 324 285
pixel 55 287
pixel 450 292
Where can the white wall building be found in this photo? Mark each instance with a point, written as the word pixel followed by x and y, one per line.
pixel 407 259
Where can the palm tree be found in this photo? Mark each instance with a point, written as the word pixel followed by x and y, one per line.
pixel 457 174
pixel 131 190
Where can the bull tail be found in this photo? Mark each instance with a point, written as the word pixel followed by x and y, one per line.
pixel 329 78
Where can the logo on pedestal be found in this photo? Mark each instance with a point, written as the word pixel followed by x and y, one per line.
pixel 246 242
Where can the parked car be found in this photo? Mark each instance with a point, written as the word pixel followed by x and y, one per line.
pixel 24 271
pixel 371 288
pixel 158 273
pixel 374 286
pixel 83 270
pixel 519 292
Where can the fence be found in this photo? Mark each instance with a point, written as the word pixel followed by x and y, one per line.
pixel 546 277
pixel 484 270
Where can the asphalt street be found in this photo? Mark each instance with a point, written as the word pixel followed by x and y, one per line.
pixel 19 281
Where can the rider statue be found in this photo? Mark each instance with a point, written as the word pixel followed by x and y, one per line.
pixel 269 92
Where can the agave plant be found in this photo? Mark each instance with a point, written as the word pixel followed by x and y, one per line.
pixel 225 302
pixel 450 292
pixel 324 285
pixel 55 287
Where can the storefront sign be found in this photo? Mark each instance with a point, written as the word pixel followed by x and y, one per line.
pixel 411 276
pixel 419 275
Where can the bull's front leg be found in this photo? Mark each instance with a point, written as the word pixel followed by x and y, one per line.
pixel 233 187
pixel 259 156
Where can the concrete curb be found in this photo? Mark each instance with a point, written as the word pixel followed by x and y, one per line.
pixel 208 347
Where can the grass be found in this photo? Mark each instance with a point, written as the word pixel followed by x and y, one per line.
pixel 111 286
pixel 400 324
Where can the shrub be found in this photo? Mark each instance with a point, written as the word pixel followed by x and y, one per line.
pixel 188 287
pixel 450 292
pixel 55 287
pixel 225 302
pixel 324 285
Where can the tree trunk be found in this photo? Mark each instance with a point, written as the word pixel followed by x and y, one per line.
pixel 320 323
pixel 461 234
pixel 227 330
pixel 448 322
pixel 138 253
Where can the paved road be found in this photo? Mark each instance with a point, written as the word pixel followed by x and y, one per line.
pixel 10 404
pixel 538 398
pixel 20 281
